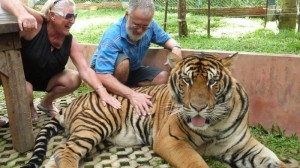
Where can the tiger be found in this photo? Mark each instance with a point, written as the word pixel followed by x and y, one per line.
pixel 201 111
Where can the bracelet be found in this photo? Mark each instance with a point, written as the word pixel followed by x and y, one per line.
pixel 99 87
pixel 177 46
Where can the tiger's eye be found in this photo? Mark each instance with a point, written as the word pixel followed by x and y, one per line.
pixel 187 80
pixel 212 82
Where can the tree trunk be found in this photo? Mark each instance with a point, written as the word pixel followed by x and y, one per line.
pixel 288 16
pixel 182 26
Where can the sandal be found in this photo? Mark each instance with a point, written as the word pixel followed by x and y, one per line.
pixel 49 112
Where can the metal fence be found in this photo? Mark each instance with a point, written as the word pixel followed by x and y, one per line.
pixel 190 4
pixel 268 9
pixel 198 4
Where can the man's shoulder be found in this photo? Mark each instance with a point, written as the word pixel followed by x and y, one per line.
pixel 113 30
pixel 111 33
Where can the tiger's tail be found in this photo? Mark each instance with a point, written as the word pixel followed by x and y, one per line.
pixel 40 148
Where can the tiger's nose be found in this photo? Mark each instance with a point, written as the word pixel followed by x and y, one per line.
pixel 198 107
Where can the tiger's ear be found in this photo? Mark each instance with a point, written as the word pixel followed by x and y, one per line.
pixel 228 61
pixel 172 59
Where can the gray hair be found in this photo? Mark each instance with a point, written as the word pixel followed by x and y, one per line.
pixel 141 4
pixel 57 6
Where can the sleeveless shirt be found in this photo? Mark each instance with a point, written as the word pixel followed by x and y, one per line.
pixel 39 62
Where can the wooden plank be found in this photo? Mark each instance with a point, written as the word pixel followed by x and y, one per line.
pixel 10 41
pixel 8 26
pixel 17 102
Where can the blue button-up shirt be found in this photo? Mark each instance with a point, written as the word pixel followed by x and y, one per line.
pixel 115 41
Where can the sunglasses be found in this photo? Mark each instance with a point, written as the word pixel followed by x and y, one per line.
pixel 68 16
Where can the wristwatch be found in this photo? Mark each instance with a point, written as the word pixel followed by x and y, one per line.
pixel 177 46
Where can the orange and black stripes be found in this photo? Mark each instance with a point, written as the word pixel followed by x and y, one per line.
pixel 202 108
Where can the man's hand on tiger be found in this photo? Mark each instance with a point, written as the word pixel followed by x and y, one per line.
pixel 106 98
pixel 141 103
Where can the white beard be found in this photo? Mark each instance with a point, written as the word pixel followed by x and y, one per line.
pixel 130 34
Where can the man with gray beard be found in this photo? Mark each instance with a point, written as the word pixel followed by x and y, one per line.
pixel 118 58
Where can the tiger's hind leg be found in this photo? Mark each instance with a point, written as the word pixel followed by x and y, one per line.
pixel 51 163
pixel 81 141
pixel 86 129
pixel 69 154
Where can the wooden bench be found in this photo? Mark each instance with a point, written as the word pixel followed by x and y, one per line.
pixel 13 81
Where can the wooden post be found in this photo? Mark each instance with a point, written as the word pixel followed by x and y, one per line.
pixel 298 13
pixel 182 26
pixel 13 81
pixel 208 18
pixel 288 16
pixel 266 12
pixel 298 22
pixel 166 13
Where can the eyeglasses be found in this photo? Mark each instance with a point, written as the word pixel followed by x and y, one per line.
pixel 136 26
pixel 68 16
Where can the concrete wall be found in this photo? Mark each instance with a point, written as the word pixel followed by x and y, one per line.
pixel 271 81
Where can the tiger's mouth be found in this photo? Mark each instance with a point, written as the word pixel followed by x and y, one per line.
pixel 198 121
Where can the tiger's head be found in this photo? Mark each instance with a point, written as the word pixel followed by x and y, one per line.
pixel 202 85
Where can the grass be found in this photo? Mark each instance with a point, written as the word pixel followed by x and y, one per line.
pixel 276 140
pixel 285 42
pixel 229 34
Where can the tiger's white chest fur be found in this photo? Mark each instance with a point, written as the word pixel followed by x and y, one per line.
pixel 125 138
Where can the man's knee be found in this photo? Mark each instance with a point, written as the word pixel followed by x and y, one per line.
pixel 161 78
pixel 122 71
pixel 70 79
pixel 74 78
